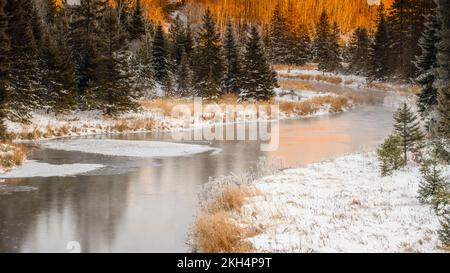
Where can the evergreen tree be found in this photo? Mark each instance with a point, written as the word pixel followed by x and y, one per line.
pixel 299 43
pixel 408 128
pixel 59 86
pixel 143 69
pixel 24 76
pixel 137 26
pixel 51 11
pixel 426 63
pixel 184 77
pixel 123 8
pixel 359 51
pixel 321 42
pixel 113 91
pixel 159 57
pixel 379 56
pixel 259 79
pixel 406 23
pixel 432 182
pixel 443 57
pixel 85 41
pixel 334 51
pixel 208 60
pixel 279 50
pixel 233 71
pixel 177 36
pixel 4 68
pixel 390 155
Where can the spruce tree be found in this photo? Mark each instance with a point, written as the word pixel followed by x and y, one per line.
pixel 390 155
pixel 160 56
pixel 407 126
pixel 123 8
pixel 432 182
pixel 443 58
pixel 208 60
pixel 299 43
pixel 406 23
pixel 51 11
pixel 177 36
pixel 137 26
pixel 259 79
pixel 113 92
pixel 141 62
pixel 184 77
pixel 85 41
pixel 321 42
pixel 279 50
pixel 334 51
pixel 24 75
pixel 378 52
pixel 359 52
pixel 426 64
pixel 4 68
pixel 233 71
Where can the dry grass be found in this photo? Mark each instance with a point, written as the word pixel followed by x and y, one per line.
pixel 11 155
pixel 308 66
pixel 320 78
pixel 305 108
pixel 133 124
pixel 218 233
pixel 215 231
pixel 231 198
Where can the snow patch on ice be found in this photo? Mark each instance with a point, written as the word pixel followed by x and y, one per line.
pixel 33 168
pixel 128 148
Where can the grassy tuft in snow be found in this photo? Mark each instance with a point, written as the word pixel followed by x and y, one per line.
pixel 11 155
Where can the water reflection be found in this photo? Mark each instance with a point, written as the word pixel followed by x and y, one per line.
pixel 147 205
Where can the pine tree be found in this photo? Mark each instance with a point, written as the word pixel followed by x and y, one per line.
pixel 406 23
pixel 378 52
pixel 233 71
pixel 279 50
pixel 334 50
pixel 443 57
pixel 359 52
pixel 321 42
pixel 390 155
pixel 137 26
pixel 408 128
pixel 426 63
pixel 259 79
pixel 113 92
pixel 208 60
pixel 160 56
pixel 4 68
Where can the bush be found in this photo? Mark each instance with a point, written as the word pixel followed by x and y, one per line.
pixel 432 184
pixel 390 155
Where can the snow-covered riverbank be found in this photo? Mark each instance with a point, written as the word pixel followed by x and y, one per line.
pixel 343 205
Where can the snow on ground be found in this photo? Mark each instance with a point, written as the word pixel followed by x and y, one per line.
pixel 341 206
pixel 33 168
pixel 128 148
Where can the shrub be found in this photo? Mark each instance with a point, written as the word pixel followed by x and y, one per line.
pixel 390 155
pixel 432 183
